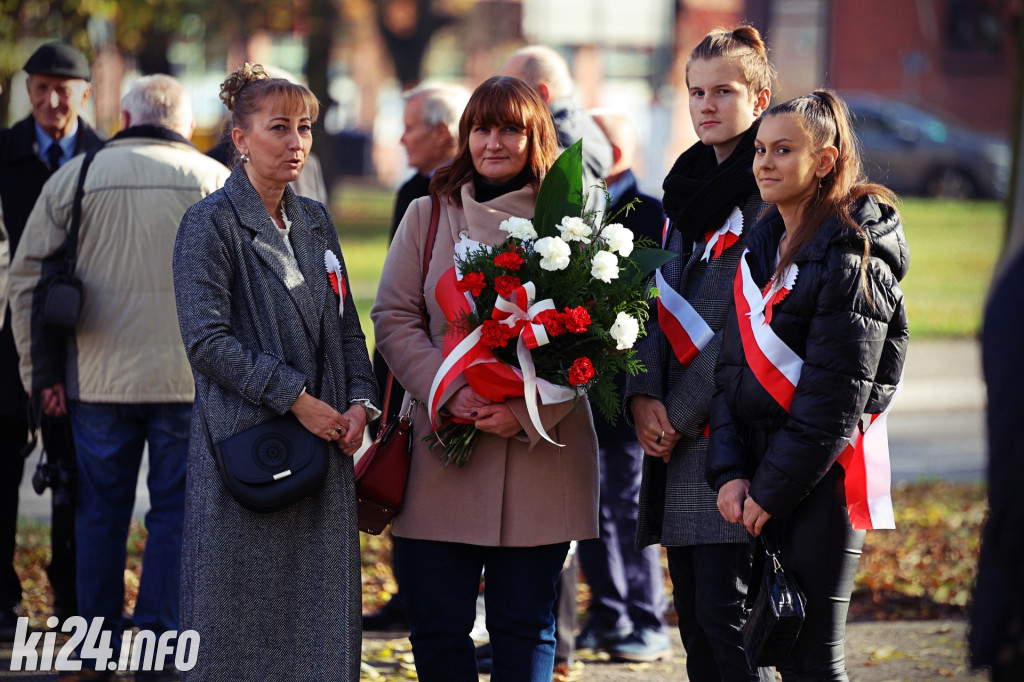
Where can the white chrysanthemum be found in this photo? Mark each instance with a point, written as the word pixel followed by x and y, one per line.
pixel 519 228
pixel 554 253
pixel 624 330
pixel 575 230
pixel 605 266
pixel 618 238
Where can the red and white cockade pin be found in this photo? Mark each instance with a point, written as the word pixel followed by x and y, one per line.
pixel 774 292
pixel 336 278
pixel 721 239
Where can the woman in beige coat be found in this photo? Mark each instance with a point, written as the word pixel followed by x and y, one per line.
pixel 519 500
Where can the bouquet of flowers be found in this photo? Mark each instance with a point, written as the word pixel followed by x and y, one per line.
pixel 550 313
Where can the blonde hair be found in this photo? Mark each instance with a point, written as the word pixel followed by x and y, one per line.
pixel 742 44
pixel 245 91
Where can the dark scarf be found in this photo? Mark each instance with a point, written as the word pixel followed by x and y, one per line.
pixel 700 192
pixel 484 191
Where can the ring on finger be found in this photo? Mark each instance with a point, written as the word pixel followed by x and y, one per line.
pixel 658 441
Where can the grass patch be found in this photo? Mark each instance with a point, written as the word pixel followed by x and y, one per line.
pixel 954 246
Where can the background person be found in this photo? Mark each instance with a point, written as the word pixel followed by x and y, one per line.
pixel 627 594
pixel 996 635
pixel 712 202
pixel 254 303
pixel 128 383
pixel 519 500
pixel 546 72
pixel 30 152
pixel 836 244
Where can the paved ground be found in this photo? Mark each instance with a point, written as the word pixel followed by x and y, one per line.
pixel 905 651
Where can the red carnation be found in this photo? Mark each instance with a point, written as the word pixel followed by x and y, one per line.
pixel 506 284
pixel 553 321
pixel 494 334
pixel 581 372
pixel 577 319
pixel 509 260
pixel 473 282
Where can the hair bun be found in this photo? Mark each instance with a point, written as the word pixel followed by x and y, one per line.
pixel 747 34
pixel 237 81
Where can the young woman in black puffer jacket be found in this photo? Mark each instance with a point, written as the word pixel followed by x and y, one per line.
pixel 817 342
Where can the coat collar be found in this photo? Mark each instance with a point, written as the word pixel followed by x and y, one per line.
pixel 306 284
pixel 23 139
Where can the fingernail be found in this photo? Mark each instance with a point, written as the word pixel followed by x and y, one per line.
pixel 472 414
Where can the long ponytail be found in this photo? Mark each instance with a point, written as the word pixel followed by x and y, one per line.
pixel 826 118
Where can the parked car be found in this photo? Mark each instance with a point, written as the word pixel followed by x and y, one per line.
pixel 916 152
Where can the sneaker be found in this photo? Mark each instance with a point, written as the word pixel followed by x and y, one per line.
pixel 598 639
pixel 643 646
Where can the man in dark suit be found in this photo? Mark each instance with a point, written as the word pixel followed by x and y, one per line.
pixel 430 139
pixel 58 88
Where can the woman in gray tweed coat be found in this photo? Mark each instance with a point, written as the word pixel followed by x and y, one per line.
pixel 273 596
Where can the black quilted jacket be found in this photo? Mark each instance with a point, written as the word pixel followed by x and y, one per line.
pixel 852 348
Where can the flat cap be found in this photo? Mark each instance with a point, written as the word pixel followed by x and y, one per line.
pixel 58 59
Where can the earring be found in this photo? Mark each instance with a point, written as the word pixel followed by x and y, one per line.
pixel 244 158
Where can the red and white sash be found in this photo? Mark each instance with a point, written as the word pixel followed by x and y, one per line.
pixel 686 331
pixel 777 368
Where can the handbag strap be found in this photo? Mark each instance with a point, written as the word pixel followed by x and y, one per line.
pixel 765 555
pixel 71 243
pixel 435 216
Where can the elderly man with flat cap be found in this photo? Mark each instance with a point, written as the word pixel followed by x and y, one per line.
pixel 58 88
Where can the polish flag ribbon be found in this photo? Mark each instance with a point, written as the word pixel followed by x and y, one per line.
pixel 777 368
pixel 686 331
pixel 336 278
pixel 728 234
pixel 487 375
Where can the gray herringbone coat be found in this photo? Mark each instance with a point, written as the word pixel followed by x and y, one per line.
pixel 272 596
pixel 677 507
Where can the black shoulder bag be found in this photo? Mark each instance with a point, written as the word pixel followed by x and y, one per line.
pixel 774 606
pixel 62 291
pixel 275 464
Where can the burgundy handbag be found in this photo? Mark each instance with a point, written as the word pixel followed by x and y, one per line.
pixel 382 471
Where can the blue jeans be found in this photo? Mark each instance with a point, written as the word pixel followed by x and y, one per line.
pixel 626 586
pixel 439 583
pixel 110 438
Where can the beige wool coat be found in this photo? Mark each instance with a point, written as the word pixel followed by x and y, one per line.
pixel 513 492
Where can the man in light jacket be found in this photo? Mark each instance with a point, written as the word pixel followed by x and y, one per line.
pixel 124 377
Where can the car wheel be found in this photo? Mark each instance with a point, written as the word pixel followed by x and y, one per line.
pixel 950 183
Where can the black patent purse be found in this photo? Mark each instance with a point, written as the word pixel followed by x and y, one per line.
pixel 774 606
